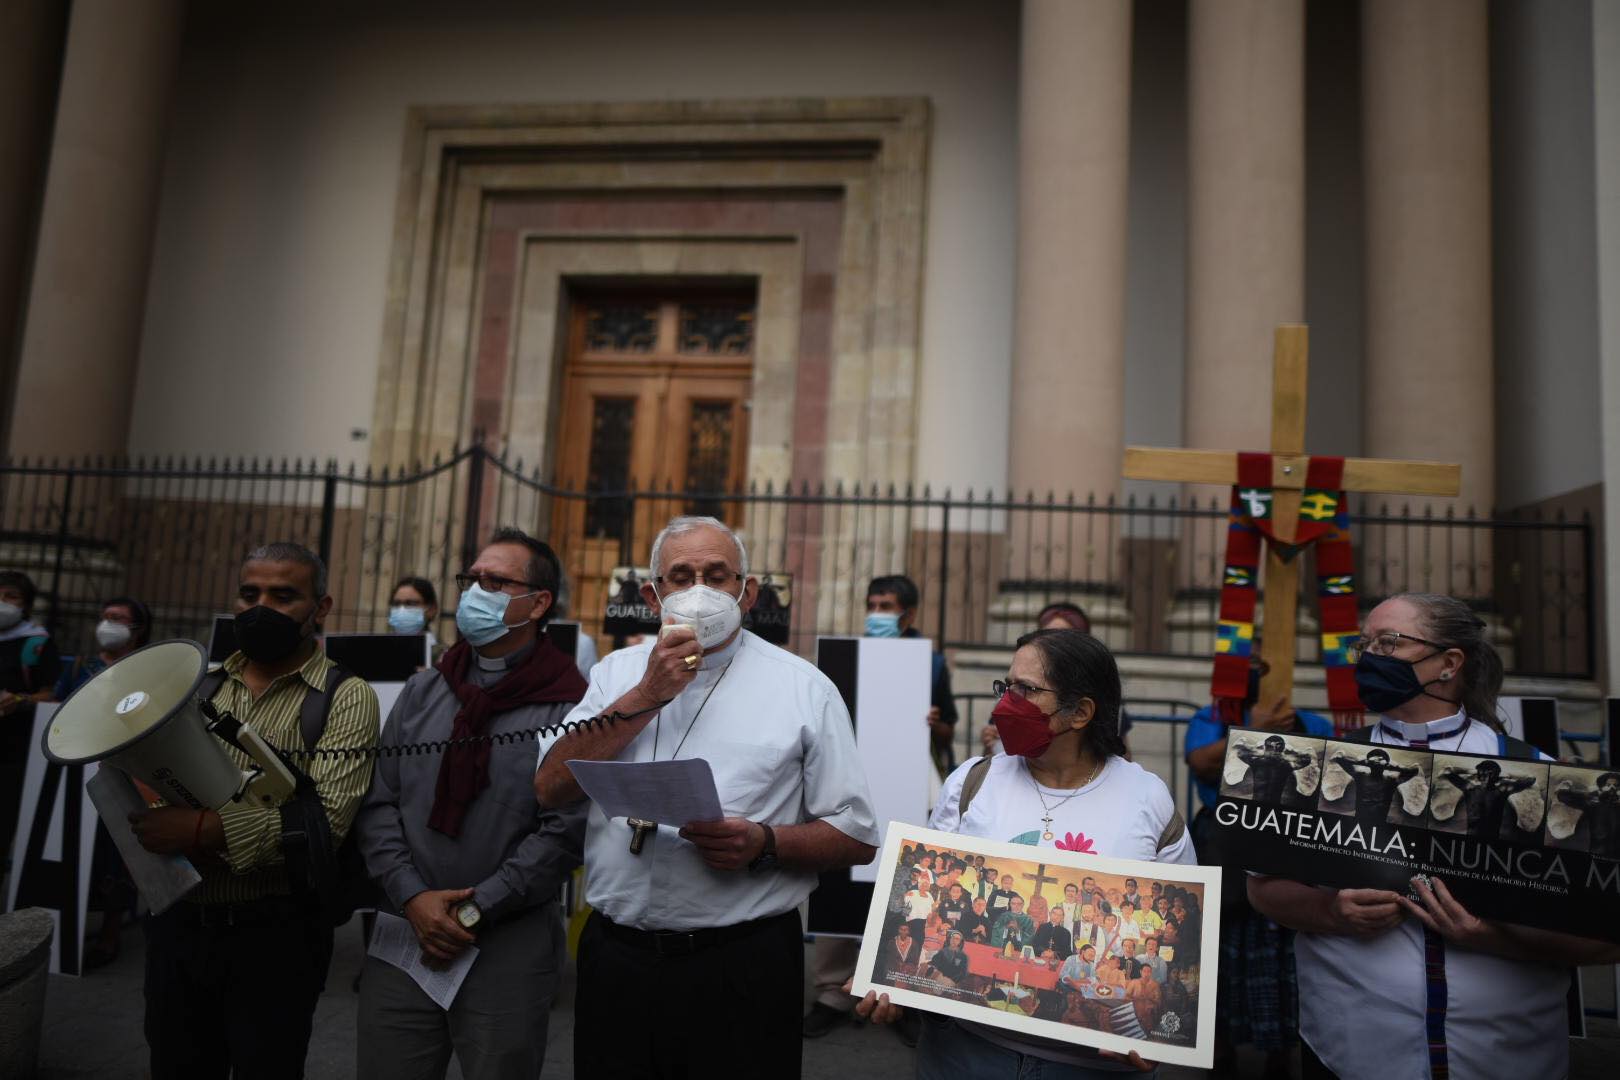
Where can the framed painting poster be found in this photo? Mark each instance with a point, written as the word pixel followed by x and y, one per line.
pixel 1112 954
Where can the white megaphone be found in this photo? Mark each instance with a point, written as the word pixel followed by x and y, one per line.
pixel 142 715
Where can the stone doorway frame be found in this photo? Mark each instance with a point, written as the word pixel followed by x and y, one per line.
pixel 456 158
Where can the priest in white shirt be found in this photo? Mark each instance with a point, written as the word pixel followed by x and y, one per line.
pixel 1071 906
pixel 693 955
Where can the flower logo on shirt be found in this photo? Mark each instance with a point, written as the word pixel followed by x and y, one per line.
pixel 1076 842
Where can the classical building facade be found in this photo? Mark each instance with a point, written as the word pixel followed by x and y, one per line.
pixel 967 245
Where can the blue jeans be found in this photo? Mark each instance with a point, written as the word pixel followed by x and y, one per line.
pixel 948 1051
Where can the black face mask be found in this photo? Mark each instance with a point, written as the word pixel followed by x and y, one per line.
pixel 265 635
pixel 1385 682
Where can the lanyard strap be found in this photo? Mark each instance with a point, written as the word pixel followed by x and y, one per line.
pixel 1434 974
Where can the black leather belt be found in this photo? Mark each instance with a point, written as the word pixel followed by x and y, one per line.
pixel 269 911
pixel 685 942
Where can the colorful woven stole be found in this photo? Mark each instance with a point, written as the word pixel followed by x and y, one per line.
pixel 1323 520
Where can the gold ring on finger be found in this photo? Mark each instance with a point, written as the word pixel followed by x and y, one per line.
pixel 692 661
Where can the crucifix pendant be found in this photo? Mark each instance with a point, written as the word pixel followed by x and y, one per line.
pixel 1047 835
pixel 638 832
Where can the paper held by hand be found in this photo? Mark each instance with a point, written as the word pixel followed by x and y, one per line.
pixel 671 793
pixel 394 942
pixel 161 879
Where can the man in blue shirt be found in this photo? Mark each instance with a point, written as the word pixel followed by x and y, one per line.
pixel 1257 999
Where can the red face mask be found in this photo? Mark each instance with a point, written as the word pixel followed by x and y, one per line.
pixel 1024 729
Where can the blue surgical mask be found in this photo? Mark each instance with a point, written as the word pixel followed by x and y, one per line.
pixel 481 615
pixel 406 620
pixel 882 624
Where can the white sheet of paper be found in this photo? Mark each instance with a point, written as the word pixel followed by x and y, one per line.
pixel 394 942
pixel 668 792
pixel 161 879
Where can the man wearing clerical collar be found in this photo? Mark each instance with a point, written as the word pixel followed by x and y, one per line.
pixel 707 913
pixel 455 839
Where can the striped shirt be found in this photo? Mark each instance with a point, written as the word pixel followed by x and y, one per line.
pixel 253 834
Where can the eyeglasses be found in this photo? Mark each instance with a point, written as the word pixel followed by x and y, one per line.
pixel 1384 644
pixel 492 582
pixel 1019 688
pixel 714 577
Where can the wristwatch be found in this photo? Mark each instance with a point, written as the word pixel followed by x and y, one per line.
pixel 468 914
pixel 766 859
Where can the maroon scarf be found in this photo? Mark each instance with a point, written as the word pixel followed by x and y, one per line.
pixel 546 677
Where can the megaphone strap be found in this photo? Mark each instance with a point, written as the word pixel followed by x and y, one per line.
pixel 495 738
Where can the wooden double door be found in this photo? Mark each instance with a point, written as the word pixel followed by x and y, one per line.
pixel 655 398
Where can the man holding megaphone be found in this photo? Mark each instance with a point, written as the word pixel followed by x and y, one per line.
pixel 234 970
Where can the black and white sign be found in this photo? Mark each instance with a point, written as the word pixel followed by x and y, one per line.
pixel 1531 842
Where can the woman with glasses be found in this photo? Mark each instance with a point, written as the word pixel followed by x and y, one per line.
pixel 1063 783
pixel 1440 988
pixel 413 609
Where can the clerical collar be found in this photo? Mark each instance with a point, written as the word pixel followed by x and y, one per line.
pixel 502 663
pixel 716 661
pixel 1444 728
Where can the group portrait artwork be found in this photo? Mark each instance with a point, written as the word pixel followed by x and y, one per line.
pixel 1099 952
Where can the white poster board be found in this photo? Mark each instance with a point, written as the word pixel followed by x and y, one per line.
pixel 887 684
pixel 51 851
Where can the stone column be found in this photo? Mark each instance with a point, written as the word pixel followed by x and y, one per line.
pixel 1606 110
pixel 1429 374
pixel 1245 211
pixel 1425 101
pixel 82 336
pixel 1068 372
pixel 1245 245
pixel 31 35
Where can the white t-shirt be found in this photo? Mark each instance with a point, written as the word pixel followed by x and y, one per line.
pixel 919 905
pixel 1503 1017
pixel 1121 814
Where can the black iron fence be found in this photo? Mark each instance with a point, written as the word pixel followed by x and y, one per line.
pixel 173 533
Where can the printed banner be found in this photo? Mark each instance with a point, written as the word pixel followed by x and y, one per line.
pixel 1107 953
pixel 1529 842
pixel 627 614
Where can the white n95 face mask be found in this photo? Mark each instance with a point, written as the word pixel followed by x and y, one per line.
pixel 713 615
pixel 10 615
pixel 111 634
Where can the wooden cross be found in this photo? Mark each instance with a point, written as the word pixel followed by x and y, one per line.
pixel 1039 877
pixel 1289 463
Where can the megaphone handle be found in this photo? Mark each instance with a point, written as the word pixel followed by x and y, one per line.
pixel 274 782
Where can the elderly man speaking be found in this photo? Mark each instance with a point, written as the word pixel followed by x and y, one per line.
pixel 693 957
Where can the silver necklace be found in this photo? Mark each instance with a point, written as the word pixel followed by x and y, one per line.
pixel 1052 808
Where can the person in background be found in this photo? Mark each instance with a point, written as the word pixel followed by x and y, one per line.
pixel 1257 999
pixel 126 625
pixel 29 668
pixel 891 611
pixel 585 654
pixel 414 609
